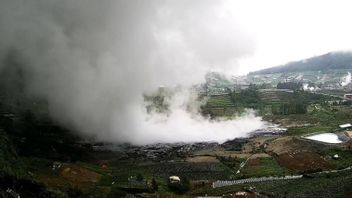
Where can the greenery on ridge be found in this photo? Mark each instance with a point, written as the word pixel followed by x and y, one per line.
pixel 333 60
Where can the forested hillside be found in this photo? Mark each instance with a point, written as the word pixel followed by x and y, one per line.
pixel 332 60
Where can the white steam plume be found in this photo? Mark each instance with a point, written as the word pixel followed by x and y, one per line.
pixel 184 124
pixel 346 79
pixel 92 60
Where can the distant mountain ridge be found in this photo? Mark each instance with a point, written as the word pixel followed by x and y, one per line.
pixel 332 60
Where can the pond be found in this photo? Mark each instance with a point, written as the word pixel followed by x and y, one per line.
pixel 325 137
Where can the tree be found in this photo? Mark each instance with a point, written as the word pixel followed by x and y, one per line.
pixel 139 177
pixel 155 186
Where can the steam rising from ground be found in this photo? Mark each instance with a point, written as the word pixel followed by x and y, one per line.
pixel 347 79
pixel 185 124
pixel 92 61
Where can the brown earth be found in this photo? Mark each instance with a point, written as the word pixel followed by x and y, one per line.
pixel 255 144
pixel 303 161
pixel 292 144
pixel 70 175
pixel 52 181
pixel 253 162
pixel 79 175
pixel 279 145
pixel 233 154
pixel 197 159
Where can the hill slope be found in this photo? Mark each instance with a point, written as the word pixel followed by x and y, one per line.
pixel 332 60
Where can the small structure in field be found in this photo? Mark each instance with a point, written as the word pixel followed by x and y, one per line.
pixel 347 96
pixel 336 156
pixel 345 126
pixel 174 179
pixel 56 165
pixel 240 194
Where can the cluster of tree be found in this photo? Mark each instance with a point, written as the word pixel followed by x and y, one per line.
pixel 285 103
pixel 289 108
pixel 230 161
pixel 297 103
pixel 248 98
pixel 290 85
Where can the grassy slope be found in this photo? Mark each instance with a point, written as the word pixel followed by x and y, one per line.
pixel 10 163
pixel 266 167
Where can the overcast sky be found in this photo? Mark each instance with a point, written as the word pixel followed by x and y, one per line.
pixel 291 30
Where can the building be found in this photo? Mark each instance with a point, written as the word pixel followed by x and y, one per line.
pixel 174 179
pixel 345 126
pixel 347 96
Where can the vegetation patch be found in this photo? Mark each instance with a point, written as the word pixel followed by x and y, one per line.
pixel 298 131
pixel 262 167
pixel 197 159
pixel 343 160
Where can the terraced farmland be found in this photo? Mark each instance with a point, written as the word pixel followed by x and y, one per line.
pixel 220 101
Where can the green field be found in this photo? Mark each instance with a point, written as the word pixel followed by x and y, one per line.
pixel 220 101
pixel 266 167
pixel 298 131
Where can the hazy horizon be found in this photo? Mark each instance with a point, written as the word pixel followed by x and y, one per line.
pixel 286 31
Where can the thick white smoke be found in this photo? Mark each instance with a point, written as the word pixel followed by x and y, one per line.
pixel 346 79
pixel 186 125
pixel 92 60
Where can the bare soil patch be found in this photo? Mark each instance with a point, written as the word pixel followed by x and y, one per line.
pixel 292 144
pixel 253 162
pixel 303 161
pixel 236 154
pixel 255 144
pixel 70 175
pixel 198 159
pixel 79 176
